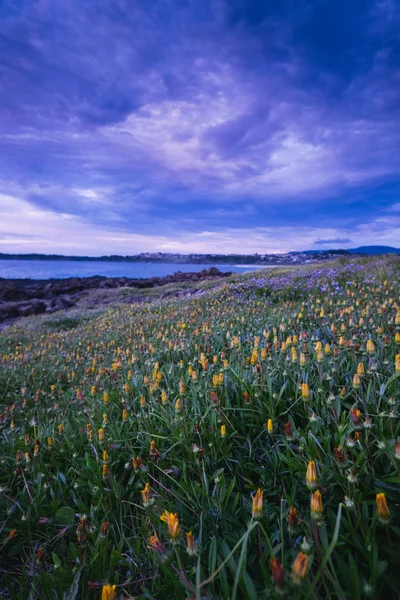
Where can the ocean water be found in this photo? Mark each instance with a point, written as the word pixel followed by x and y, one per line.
pixel 55 269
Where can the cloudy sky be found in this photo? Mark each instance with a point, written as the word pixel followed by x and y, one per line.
pixel 198 125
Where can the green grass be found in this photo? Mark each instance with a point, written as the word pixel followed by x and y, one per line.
pixel 74 519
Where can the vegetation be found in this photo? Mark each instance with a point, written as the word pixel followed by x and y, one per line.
pixel 242 443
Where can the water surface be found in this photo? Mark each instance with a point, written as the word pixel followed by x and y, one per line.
pixel 59 269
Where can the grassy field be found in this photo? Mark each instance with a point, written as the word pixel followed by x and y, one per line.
pixel 243 443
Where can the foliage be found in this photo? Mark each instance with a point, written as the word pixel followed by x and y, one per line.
pixel 209 393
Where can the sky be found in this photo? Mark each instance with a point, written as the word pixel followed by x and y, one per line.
pixel 229 126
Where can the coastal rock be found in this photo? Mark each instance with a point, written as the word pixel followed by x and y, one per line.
pixel 25 297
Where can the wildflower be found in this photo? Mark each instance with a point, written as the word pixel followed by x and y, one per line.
pixel 299 569
pixel 153 450
pixel 60 428
pixel 104 528
pixel 106 398
pixel 27 457
pixel 292 519
pixel 100 434
pixel 356 380
pixel 316 505
pixel 164 397
pixel 106 471
pixel 311 475
pixel 370 347
pixel 288 431
pixel 278 574
pixel 156 544
pixel 137 463
pixel 360 368
pixel 18 456
pixel 223 431
pixel 40 554
pixel 397 363
pixel 178 405
pixel 12 534
pixel 106 458
pixel 305 392
pixel 49 442
pixel 108 592
pixel 383 510
pixel 81 530
pixel 173 524
pixel 191 547
pixel 356 417
pixel 270 426
pixel 397 449
pixel 125 415
pixel 93 390
pixel 257 501
pixel 146 495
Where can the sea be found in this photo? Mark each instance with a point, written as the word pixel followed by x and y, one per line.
pixel 60 269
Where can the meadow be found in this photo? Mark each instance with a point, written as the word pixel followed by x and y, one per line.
pixel 243 443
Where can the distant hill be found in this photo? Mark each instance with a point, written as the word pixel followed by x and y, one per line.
pixel 374 250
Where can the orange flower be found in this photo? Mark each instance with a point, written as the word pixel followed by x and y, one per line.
pixel 156 544
pixel 292 518
pixel 311 475
pixel 277 572
pixel 106 471
pixel 191 547
pixel 172 521
pixel 257 500
pixel 383 510
pixel 299 569
pixel 316 505
pixel 146 495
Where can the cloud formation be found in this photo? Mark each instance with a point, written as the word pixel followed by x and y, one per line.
pixel 161 122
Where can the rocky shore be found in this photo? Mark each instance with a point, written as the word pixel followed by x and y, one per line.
pixel 25 297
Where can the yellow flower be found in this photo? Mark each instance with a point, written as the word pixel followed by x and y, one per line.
pixel 356 380
pixel 49 442
pixel 257 500
pixel 178 405
pixel 370 347
pixel 223 430
pixel 106 398
pixel 360 369
pixel 60 428
pixel 305 391
pixel 270 426
pixel 299 569
pixel 146 495
pixel 164 397
pixel 172 521
pixel 383 510
pixel 100 434
pixel 106 471
pixel 108 592
pixel 125 415
pixel 397 363
pixel 311 476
